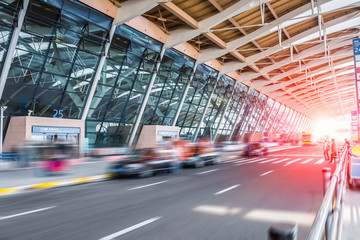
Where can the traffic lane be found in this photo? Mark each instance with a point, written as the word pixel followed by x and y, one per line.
pixel 80 201
pixel 315 150
pixel 247 211
pixel 146 203
pixel 102 194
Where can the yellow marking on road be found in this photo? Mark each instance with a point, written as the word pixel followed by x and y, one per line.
pixel 46 185
pixel 7 190
pixel 81 180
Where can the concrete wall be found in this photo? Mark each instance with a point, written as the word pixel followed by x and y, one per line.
pixel 149 136
pixel 20 129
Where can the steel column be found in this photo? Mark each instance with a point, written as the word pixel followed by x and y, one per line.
pixel 258 121
pixel 98 74
pixel 237 117
pixel 268 118
pixel 272 125
pixel 278 126
pixel 184 95
pixel 146 97
pixel 225 110
pixel 206 107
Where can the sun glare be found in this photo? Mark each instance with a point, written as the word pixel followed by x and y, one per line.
pixel 332 128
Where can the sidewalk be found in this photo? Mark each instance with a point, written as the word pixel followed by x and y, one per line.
pixel 16 180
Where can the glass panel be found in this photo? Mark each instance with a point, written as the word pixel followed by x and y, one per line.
pixel 50 69
pixel 197 97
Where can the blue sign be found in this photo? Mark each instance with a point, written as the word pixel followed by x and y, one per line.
pixel 43 129
pixel 356 46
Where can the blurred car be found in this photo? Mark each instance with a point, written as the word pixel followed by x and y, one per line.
pixel 255 149
pixel 238 147
pixel 145 163
pixel 204 154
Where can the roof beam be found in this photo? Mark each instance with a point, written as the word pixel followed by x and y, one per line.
pixel 315 63
pixel 215 39
pixel 132 9
pixel 235 54
pixel 333 44
pixel 178 12
pixel 179 36
pixel 300 14
pixel 338 24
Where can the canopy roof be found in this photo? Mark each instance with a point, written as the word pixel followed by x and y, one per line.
pixel 298 52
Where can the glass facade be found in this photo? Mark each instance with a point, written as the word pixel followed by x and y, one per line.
pixel 55 58
pixel 200 89
pixel 8 18
pixel 169 86
pixel 220 97
pixel 122 86
pixel 265 116
pixel 272 117
pixel 238 99
pixel 58 53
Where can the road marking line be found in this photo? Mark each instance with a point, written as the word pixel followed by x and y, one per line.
pixel 273 159
pixel 129 229
pixel 8 190
pixel 46 185
pixel 320 161
pixel 291 162
pixel 252 161
pixel 148 185
pixel 24 213
pixel 266 173
pixel 234 156
pixel 282 160
pixel 245 160
pixel 213 170
pixel 227 189
pixel 306 161
pixel 241 160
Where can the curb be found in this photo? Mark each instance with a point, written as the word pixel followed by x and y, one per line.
pixel 81 180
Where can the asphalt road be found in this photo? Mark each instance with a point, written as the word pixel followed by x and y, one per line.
pixel 238 199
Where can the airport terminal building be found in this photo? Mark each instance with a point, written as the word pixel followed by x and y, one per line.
pixel 73 70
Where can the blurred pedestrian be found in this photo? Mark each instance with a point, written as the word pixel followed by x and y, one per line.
pixel 326 149
pixel 333 151
pixel 346 144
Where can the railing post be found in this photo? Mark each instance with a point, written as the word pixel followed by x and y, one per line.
pixel 283 231
pixel 326 175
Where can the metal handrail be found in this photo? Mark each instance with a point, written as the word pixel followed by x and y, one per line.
pixel 330 214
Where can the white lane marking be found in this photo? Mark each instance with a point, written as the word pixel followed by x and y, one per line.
pixel 273 159
pixel 320 161
pixel 291 162
pixel 148 185
pixel 252 161
pixel 227 189
pixel 241 160
pixel 306 161
pixel 282 160
pixel 129 229
pixel 266 173
pixel 213 170
pixel 24 213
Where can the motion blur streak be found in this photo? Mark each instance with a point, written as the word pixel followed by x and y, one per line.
pixel 24 213
pixel 280 215
pixel 129 229
pixel 147 185
pixel 217 210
